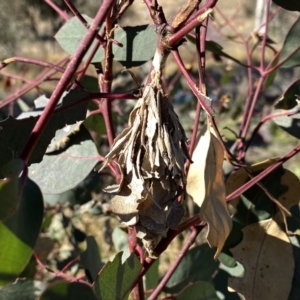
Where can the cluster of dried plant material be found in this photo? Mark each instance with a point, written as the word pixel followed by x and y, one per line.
pixel 150 153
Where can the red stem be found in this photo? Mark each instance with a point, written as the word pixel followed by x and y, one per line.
pixel 248 116
pixel 192 23
pixel 82 20
pixel 66 78
pixel 269 117
pixel 37 62
pixel 61 13
pixel 183 251
pixel 46 74
pixel 200 42
pixel 201 98
pixel 264 39
pixel 263 174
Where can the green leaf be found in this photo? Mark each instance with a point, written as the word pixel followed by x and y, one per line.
pixel 71 33
pixel 120 239
pixel 237 271
pixel 290 45
pixel 14 133
pixel 215 48
pixel 61 171
pixel 90 83
pixel 254 205
pixel 68 291
pixel 80 194
pixel 91 258
pixel 294 227
pixel 19 229
pixel 21 289
pixel 96 123
pixel 197 265
pixel 288 100
pixel 139 42
pixel 116 278
pixel 271 76
pixel 288 5
pixel 203 290
pixel 221 285
pixel 9 188
pixel 218 49
pixel 227 260
pixel 152 276
pixel 289 123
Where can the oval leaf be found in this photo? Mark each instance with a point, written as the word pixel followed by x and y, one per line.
pixel 198 264
pixel 291 45
pixel 138 43
pixel 21 289
pixel 19 230
pixel 116 278
pixel 203 290
pixel 61 171
pixel 267 256
pixel 68 291
pixel 15 132
pixel 91 258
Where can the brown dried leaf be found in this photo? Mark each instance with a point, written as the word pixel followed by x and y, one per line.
pixel 267 256
pixel 214 209
pixel 206 186
pixel 196 187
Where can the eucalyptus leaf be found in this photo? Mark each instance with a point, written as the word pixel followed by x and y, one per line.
pixel 14 133
pixel 215 48
pixel 290 121
pixel 203 290
pixel 288 100
pixel 271 76
pixel 291 45
pixel 197 265
pixel 68 291
pixel 62 170
pixel 21 289
pixel 19 228
pixel 91 258
pixel 116 278
pixel 136 44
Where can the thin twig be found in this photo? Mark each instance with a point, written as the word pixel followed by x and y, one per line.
pixel 201 32
pixel 183 251
pixel 82 20
pixel 44 75
pixel 66 78
pixel 37 62
pixel 61 13
pixel 205 102
pixel 263 174
pixel 267 118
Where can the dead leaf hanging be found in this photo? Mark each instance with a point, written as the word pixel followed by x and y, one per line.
pixel 205 184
